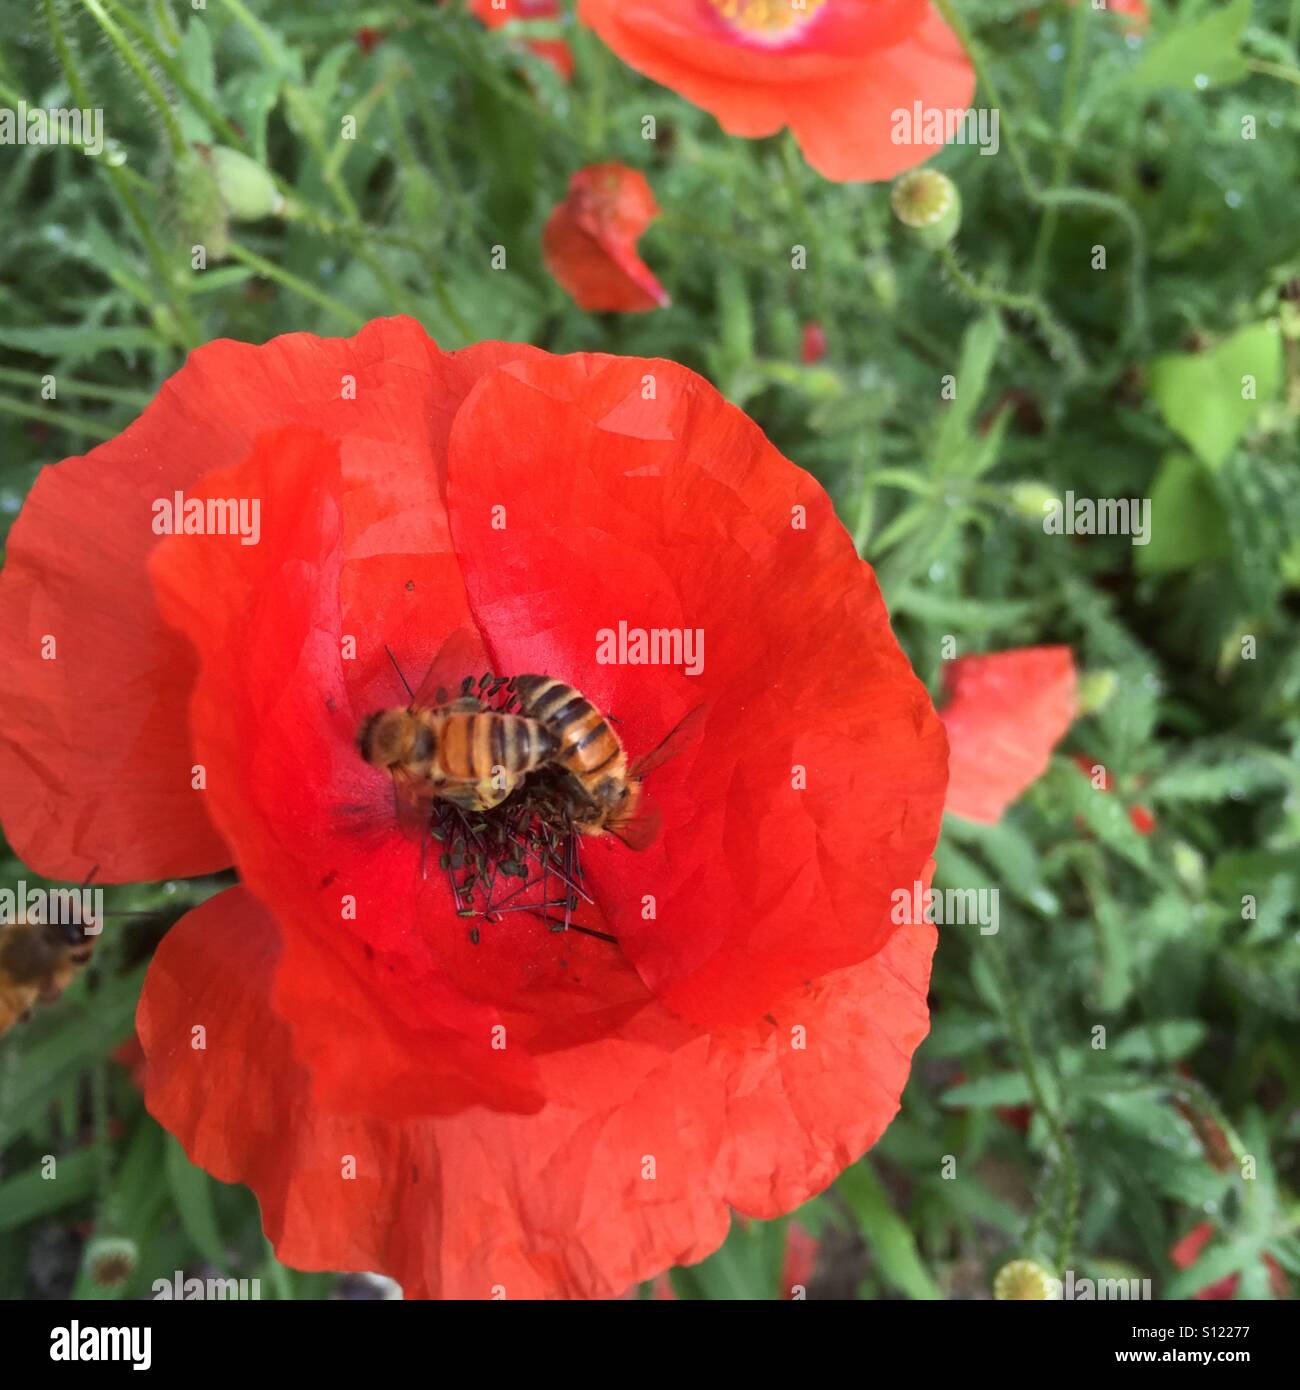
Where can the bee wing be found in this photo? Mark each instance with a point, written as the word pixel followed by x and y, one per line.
pixel 460 657
pixel 673 742
pixel 412 806
pixel 640 830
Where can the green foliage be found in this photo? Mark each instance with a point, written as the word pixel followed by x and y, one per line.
pixel 1122 381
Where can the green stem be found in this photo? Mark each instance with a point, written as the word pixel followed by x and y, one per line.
pixel 258 31
pixel 88 389
pixel 1061 162
pixel 1287 74
pixel 176 73
pixel 163 17
pixel 984 75
pixel 1058 337
pixel 143 76
pixel 74 424
pixel 186 324
pixel 304 288
pixel 1065 1149
pixel 1059 197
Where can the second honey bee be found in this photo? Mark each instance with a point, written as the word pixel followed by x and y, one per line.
pixel 37 963
pixel 604 790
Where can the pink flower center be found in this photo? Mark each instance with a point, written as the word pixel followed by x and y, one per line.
pixel 767 19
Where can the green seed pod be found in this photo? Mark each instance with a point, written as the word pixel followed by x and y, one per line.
pixel 928 204
pixel 110 1260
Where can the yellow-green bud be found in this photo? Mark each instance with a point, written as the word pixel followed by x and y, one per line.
pixel 928 204
pixel 1095 691
pixel 1031 500
pixel 1023 1281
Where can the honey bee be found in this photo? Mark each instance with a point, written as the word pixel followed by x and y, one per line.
pixel 603 790
pixel 452 748
pixel 37 963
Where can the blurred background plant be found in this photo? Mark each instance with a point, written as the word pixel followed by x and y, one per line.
pixel 338 163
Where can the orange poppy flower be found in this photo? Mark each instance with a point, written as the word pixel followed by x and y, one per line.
pixel 495 13
pixel 834 71
pixel 589 242
pixel 490 1108
pixel 1007 712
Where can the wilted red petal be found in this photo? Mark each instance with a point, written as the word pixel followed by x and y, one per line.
pixel 1006 713
pixel 589 242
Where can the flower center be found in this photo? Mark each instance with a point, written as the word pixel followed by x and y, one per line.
pixel 767 19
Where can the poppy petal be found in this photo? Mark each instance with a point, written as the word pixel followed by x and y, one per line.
pixel 631 1167
pixel 95 757
pixel 589 241
pixel 1007 712
pixel 845 127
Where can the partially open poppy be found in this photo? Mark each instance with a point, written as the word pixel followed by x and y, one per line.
pixel 479 1107
pixel 495 13
pixel 836 72
pixel 1007 711
pixel 589 241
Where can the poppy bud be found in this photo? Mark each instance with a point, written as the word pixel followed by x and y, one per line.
pixel 200 207
pixel 1023 1281
pixel 928 203
pixel 1095 691
pixel 1031 500
pixel 110 1261
pixel 247 191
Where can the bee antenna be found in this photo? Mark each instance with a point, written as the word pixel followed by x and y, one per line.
pixel 410 694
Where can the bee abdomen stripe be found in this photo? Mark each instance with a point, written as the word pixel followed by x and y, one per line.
pixel 597 731
pixel 569 712
pixel 600 767
pixel 500 743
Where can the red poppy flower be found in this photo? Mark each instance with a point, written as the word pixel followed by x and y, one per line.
pixel 589 242
pixel 1188 1250
pixel 532 1111
pixel 834 71
pixel 1007 712
pixel 495 13
pixel 367 39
